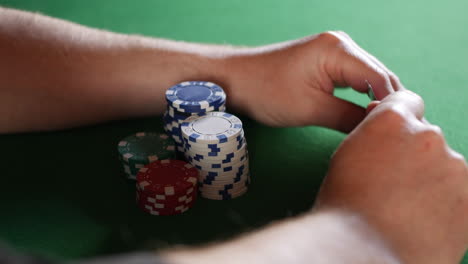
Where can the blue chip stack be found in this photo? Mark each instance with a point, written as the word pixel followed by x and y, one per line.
pixel 187 99
pixel 215 144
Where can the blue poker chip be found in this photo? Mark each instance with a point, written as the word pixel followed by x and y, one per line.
pixel 195 96
pixel 167 119
pixel 174 112
pixel 178 116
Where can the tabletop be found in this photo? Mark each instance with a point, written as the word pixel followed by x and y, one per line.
pixel 63 194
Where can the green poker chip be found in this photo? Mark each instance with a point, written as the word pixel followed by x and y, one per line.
pixel 142 148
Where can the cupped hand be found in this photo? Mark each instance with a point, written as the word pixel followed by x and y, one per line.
pixel 397 171
pixel 292 83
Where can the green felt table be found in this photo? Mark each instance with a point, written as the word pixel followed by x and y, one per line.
pixel 63 195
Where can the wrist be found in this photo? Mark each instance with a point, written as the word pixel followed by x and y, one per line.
pixel 150 66
pixel 400 239
pixel 203 62
pixel 176 61
pixel 244 73
pixel 330 236
pixel 351 237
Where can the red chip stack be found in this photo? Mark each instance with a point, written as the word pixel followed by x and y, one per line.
pixel 166 187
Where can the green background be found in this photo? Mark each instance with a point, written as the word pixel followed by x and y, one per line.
pixel 62 194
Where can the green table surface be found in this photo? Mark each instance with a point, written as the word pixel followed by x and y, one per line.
pixel 63 195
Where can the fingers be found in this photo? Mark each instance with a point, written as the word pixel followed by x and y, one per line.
pixel 395 81
pixel 353 67
pixel 405 102
pixel 338 114
pixel 371 106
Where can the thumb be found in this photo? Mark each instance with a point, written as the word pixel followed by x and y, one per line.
pixel 338 114
pixel 371 106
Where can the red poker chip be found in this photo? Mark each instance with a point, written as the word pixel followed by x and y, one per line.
pixel 172 196
pixel 166 177
pixel 144 199
pixel 180 199
pixel 160 206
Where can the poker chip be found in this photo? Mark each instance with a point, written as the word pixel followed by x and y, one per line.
pixel 224 194
pixel 142 148
pixel 215 144
pixel 198 129
pixel 225 148
pixel 195 97
pixel 210 139
pixel 190 99
pixel 224 177
pixel 229 156
pixel 212 128
pixel 218 164
pixel 166 187
pixel 219 184
pixel 231 188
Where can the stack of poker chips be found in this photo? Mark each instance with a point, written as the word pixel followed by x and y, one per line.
pixel 140 149
pixel 188 99
pixel 214 143
pixel 166 187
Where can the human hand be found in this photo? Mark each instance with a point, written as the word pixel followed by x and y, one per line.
pixel 397 171
pixel 292 83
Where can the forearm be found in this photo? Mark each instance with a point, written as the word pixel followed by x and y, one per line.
pixel 325 237
pixel 55 74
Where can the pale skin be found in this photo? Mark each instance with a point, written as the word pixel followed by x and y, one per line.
pixel 395 191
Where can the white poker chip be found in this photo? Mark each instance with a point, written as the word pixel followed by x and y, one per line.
pixel 216 156
pixel 224 148
pixel 237 181
pixel 224 196
pixel 222 176
pixel 211 128
pixel 218 163
pixel 223 168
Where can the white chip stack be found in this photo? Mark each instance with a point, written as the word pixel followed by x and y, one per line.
pixel 215 144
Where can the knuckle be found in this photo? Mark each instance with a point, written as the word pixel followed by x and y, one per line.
pixel 392 116
pixel 395 80
pixel 458 159
pixel 431 138
pixel 435 129
pixel 382 79
pixel 414 95
pixel 394 77
pixel 388 120
pixel 458 167
pixel 331 37
pixel 342 33
pixel 417 98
